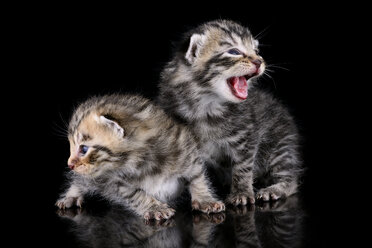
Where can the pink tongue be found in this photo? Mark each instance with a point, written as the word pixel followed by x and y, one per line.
pixel 241 87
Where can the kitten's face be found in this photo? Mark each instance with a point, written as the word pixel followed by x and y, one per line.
pixel 225 57
pixel 93 145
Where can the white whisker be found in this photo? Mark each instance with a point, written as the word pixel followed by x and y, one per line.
pixel 268 75
pixel 262 33
pixel 277 66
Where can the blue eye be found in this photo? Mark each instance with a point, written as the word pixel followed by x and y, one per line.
pixel 234 51
pixel 83 149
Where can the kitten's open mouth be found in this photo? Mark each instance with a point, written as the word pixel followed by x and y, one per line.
pixel 239 86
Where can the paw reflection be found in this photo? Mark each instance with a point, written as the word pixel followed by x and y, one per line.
pixel 215 218
pixel 242 209
pixel 159 224
pixel 266 224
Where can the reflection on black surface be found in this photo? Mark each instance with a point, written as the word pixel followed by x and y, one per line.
pixel 275 224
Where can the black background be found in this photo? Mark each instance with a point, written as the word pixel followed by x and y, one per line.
pixel 60 55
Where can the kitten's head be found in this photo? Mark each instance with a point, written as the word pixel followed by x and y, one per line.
pixel 112 131
pixel 222 57
pixel 95 143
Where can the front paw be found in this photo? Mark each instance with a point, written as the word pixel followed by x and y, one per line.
pixel 240 199
pixel 208 207
pixel 68 202
pixel 159 213
pixel 69 213
pixel 269 194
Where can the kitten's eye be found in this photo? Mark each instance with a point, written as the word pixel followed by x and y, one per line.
pixel 83 149
pixel 235 51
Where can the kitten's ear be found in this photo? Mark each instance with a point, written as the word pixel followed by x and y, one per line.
pixel 195 45
pixel 111 124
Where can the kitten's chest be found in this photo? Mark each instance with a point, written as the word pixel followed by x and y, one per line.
pixel 208 130
pixel 161 187
pixel 225 140
pixel 224 131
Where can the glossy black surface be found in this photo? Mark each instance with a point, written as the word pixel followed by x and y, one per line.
pixel 279 224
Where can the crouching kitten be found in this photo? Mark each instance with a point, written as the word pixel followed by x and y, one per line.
pixel 127 150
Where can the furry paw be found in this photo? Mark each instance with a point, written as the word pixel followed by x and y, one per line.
pixel 215 218
pixel 240 199
pixel 69 213
pixel 269 194
pixel 208 207
pixel 68 202
pixel 159 213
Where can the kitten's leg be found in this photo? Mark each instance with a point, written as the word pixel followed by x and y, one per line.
pixel 245 227
pixel 284 171
pixel 202 196
pixel 204 227
pixel 145 204
pixel 242 184
pixel 74 196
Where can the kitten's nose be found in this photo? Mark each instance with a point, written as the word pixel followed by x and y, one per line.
pixel 256 62
pixel 71 163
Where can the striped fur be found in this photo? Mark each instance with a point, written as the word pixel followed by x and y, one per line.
pixel 135 156
pixel 257 134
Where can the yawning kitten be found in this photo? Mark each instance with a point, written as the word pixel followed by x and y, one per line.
pixel 209 85
pixel 127 150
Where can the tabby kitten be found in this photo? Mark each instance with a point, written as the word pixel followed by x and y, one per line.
pixel 127 150
pixel 210 85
